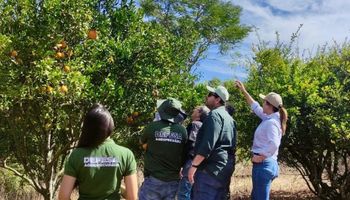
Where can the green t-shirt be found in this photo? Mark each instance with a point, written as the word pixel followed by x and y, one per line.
pixel 216 141
pixel 99 171
pixel 165 150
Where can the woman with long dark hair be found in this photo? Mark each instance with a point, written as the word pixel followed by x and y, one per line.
pixel 267 139
pixel 98 165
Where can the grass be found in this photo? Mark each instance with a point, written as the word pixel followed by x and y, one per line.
pixel 288 186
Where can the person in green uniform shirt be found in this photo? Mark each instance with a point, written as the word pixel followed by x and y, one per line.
pixel 164 142
pixel 214 150
pixel 98 165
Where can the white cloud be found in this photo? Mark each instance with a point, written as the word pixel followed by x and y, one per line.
pixel 294 5
pixel 219 70
pixel 324 21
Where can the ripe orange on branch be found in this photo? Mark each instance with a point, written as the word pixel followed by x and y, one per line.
pixel 13 53
pixel 92 34
pixel 63 89
pixel 49 89
pixel 129 120
pixel 63 44
pixel 66 68
pixel 135 114
pixel 59 55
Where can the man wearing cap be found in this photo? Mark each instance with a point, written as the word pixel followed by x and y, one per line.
pixel 164 155
pixel 214 159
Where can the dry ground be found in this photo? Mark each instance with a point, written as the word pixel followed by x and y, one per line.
pixel 288 186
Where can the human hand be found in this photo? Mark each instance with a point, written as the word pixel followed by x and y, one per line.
pixel 258 158
pixel 144 146
pixel 180 173
pixel 239 85
pixel 191 173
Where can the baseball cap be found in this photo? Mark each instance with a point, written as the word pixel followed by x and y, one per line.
pixel 221 91
pixel 273 98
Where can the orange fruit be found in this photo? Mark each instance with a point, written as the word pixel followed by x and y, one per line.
pixel 135 114
pixel 49 89
pixel 129 120
pixel 59 55
pixel 14 53
pixel 92 34
pixel 63 44
pixel 66 68
pixel 63 89
pixel 58 46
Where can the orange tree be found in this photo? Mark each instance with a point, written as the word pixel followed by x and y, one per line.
pixel 58 57
pixel 316 93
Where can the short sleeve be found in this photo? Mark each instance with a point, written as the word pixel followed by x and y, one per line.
pixel 208 137
pixel 144 136
pixel 69 168
pixel 131 167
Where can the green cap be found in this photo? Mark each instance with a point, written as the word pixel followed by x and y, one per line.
pixel 170 109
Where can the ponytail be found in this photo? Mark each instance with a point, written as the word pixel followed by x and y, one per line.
pixel 283 118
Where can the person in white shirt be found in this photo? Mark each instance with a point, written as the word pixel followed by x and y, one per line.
pixel 267 139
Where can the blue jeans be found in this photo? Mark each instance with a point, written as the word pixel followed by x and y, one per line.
pixel 207 187
pixel 263 174
pixel 185 187
pixel 155 189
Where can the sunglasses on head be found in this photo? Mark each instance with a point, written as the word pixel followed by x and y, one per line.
pixel 213 94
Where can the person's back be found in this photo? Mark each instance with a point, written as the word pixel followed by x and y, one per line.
pixel 98 165
pixel 99 171
pixel 164 142
pixel 165 146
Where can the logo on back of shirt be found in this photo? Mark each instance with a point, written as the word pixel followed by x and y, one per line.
pixel 101 162
pixel 168 137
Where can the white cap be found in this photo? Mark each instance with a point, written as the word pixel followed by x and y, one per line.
pixel 273 98
pixel 221 91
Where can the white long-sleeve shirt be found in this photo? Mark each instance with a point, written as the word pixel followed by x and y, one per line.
pixel 267 137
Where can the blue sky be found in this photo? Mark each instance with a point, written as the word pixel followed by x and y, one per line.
pixel 324 21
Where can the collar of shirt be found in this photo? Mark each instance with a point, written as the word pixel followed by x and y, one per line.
pixel 275 115
pixel 220 108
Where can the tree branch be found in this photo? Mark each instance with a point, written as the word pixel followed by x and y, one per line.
pixel 17 173
pixel 305 175
pixel 200 50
